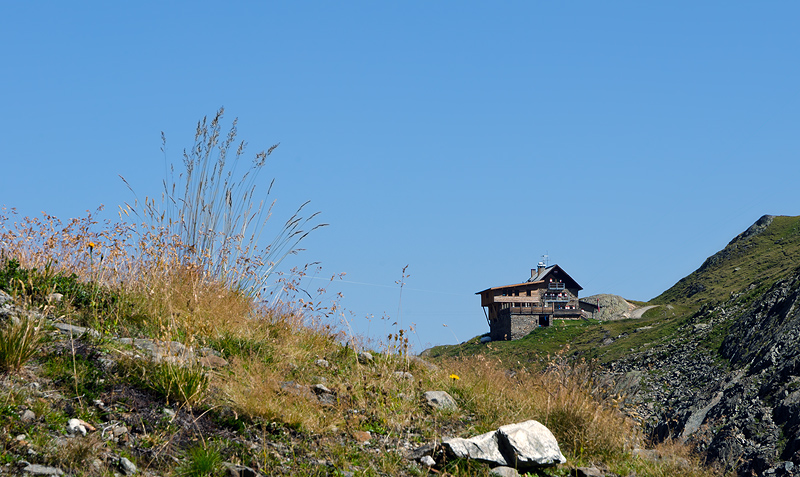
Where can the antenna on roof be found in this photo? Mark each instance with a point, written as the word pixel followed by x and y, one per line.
pixel 546 259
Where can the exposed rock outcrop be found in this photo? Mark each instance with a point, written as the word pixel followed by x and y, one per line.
pixel 741 406
pixel 611 307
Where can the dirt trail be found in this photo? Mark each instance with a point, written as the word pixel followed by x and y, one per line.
pixel 637 313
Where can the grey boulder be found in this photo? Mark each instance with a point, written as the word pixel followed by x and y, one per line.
pixel 36 469
pixel 440 400
pixel 503 471
pixel 482 448
pixel 531 444
pixel 525 446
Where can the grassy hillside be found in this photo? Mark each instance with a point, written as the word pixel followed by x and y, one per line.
pixel 263 407
pixel 765 253
pixel 602 341
pixel 149 342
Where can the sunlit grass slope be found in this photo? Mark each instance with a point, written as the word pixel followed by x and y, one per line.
pixel 156 279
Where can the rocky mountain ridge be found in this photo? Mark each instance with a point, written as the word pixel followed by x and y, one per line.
pixel 728 380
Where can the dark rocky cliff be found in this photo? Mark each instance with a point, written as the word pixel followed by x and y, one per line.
pixel 728 381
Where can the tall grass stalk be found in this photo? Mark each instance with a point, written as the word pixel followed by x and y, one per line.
pixel 214 215
pixel 19 341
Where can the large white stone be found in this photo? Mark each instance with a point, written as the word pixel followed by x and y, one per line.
pixel 529 444
pixel 483 448
pixel 525 446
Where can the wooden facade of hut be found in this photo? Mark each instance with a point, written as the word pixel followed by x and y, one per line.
pixel 513 311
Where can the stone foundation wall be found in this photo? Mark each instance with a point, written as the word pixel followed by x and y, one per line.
pixel 513 327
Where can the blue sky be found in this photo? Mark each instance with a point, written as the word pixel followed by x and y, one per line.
pixel 626 140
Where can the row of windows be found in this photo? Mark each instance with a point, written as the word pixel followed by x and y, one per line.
pixel 525 292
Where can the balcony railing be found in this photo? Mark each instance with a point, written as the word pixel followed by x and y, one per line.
pixel 548 297
pixel 540 310
pixel 555 286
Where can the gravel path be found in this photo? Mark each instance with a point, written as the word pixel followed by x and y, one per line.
pixel 637 313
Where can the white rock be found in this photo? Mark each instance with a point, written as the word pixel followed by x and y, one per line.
pixel 127 466
pixel 525 446
pixel 440 400
pixel 5 297
pixel 503 471
pixel 483 448
pixel 321 389
pixel 322 363
pixel 531 443
pixel 74 426
pixel 54 297
pixel 403 375
pixel 427 461
pixel 28 416
pixel 42 470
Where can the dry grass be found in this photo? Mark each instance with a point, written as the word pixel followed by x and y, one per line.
pixel 190 270
pixel 563 398
pixel 19 341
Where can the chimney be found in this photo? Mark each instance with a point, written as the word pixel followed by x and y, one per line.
pixel 540 269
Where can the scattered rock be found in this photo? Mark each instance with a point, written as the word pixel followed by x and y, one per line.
pixel 362 436
pixel 324 395
pixel 75 331
pixel 503 471
pixel 403 375
pixel 427 461
pixel 483 448
pixel 365 358
pixel 531 443
pixel 235 470
pixel 327 399
pixel 421 451
pixel 54 298
pixel 525 446
pixel 587 472
pixel 322 363
pixel 36 469
pixel 126 466
pixel 5 298
pixel 28 416
pixel 440 400
pixel 702 327
pixel 209 352
pixel 212 362
pixel 75 426
pixel 297 389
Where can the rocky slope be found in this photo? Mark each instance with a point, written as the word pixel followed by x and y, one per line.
pixel 728 381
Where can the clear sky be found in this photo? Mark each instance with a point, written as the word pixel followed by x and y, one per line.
pixel 626 140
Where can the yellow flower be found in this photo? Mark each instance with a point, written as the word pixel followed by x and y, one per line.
pixel 91 245
pixel 454 377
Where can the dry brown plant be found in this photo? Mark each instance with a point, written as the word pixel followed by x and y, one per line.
pixel 562 398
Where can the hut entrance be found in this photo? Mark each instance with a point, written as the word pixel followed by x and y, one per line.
pixel 544 320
